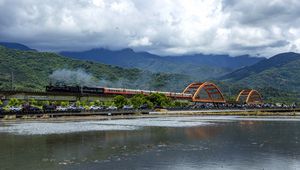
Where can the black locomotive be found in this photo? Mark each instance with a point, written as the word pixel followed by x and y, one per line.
pixel 75 89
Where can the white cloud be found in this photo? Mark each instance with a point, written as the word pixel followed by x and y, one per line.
pixel 161 26
pixel 140 42
pixel 98 3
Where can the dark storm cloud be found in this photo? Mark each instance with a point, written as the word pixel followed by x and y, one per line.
pixel 160 26
pixel 263 13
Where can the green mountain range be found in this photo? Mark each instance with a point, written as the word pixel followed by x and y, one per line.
pixel 32 70
pixel 281 72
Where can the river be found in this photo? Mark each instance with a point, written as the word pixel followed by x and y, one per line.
pixel 170 143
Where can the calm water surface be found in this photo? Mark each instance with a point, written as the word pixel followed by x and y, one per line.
pixel 153 143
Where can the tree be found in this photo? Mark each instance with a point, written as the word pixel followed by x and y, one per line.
pixel 92 104
pixel 97 102
pixel 138 100
pixel 64 104
pixel 78 103
pixel 84 103
pixel 14 102
pixel 46 102
pixel 1 103
pixel 109 103
pixel 120 101
pixel 32 102
pixel 159 99
pixel 149 104
pixel 180 104
pixel 43 103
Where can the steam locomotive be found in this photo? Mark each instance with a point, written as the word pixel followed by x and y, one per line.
pixel 75 89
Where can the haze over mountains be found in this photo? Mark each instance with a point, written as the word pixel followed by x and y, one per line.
pixel 198 66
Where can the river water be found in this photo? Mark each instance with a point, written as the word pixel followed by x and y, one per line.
pixel 152 143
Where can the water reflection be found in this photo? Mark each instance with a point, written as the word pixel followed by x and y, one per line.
pixel 206 132
pixel 221 145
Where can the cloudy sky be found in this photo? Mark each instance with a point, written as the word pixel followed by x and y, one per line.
pixel 256 27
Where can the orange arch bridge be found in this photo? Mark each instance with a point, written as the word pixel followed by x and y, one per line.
pixel 249 96
pixel 205 92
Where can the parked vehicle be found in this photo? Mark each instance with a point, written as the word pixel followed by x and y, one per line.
pixel 112 108
pixel 31 109
pixel 128 107
pixel 15 109
pixel 49 108
pixel 61 109
pixel 81 108
pixel 144 106
pixel 95 108
pixel 74 109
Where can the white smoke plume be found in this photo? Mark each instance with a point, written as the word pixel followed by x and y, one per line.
pixel 80 77
pixel 72 77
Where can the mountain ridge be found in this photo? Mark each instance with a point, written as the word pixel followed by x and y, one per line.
pixel 196 65
pixel 16 46
pixel 275 61
pixel 281 71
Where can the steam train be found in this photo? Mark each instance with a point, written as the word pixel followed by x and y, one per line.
pixel 110 91
pixel 75 89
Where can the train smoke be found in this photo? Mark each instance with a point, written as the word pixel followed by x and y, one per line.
pixel 145 80
pixel 72 77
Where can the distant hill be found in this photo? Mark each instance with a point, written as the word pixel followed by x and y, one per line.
pixel 31 71
pixel 16 46
pixel 281 72
pixel 198 66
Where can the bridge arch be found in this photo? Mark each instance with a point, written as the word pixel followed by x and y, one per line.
pixel 249 96
pixel 205 92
